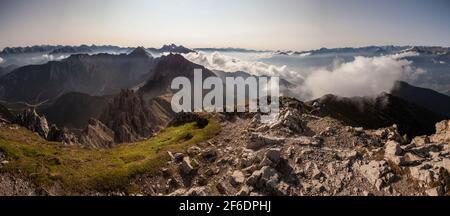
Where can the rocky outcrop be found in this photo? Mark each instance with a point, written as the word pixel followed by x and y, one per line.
pixel 325 157
pixel 33 122
pixel 442 132
pixel 131 118
pixel 96 135
pixel 61 135
pixel 38 124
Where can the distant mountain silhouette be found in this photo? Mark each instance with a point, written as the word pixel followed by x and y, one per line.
pixel 172 48
pixel 60 49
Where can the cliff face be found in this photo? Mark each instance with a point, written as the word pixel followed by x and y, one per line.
pixel 132 118
pixel 96 135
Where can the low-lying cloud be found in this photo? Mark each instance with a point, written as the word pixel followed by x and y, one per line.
pixel 1 60
pixel 364 76
pixel 217 61
pixel 48 57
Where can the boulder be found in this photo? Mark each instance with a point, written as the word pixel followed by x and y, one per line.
pixel 423 173
pixel 436 191
pixel 186 167
pixel 258 141
pixel 237 178
pixel 377 173
pixel 442 134
pixel 274 155
pixel 392 148
pixel 420 140
pixel 209 154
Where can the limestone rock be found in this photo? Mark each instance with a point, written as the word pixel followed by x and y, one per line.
pixel 33 122
pixel 237 178
pixel 258 140
pixel 96 135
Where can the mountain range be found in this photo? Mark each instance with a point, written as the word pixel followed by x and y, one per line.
pixel 91 86
pixel 99 74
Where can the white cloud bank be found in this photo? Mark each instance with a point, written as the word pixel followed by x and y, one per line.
pixel 365 76
pixel 217 61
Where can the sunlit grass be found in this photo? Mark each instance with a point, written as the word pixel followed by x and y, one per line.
pixel 79 169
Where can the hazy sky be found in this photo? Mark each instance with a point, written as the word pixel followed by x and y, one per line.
pixel 257 24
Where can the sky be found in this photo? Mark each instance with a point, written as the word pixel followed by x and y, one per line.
pixel 253 24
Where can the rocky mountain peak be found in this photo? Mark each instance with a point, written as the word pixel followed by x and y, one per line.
pixel 140 52
pixel 128 115
pixel 33 122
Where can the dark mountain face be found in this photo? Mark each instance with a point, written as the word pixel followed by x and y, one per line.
pixel 100 74
pixel 7 69
pixel 5 114
pixel 73 110
pixel 169 67
pixel 427 98
pixel 382 111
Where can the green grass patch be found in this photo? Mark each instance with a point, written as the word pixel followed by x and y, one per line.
pixel 79 169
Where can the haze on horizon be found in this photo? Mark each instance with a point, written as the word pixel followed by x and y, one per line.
pixel 271 24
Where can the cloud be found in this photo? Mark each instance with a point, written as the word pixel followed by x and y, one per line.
pixel 48 57
pixel 365 76
pixel 1 60
pixel 218 61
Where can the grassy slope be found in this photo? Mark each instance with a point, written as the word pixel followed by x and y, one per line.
pixel 79 169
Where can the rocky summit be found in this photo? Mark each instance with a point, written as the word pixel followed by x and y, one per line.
pixel 299 153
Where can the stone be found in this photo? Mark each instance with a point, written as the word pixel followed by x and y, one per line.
pixel 442 134
pixel 317 173
pixel 186 167
pixel 221 188
pixel 375 172
pixel 209 154
pixel 423 173
pixel 436 191
pixel 305 141
pixel 245 191
pixel 178 157
pixel 274 155
pixel 258 140
pixel 392 148
pixel 420 140
pixel 193 150
pixel 445 163
pixel 410 159
pixel 197 191
pixel 237 178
